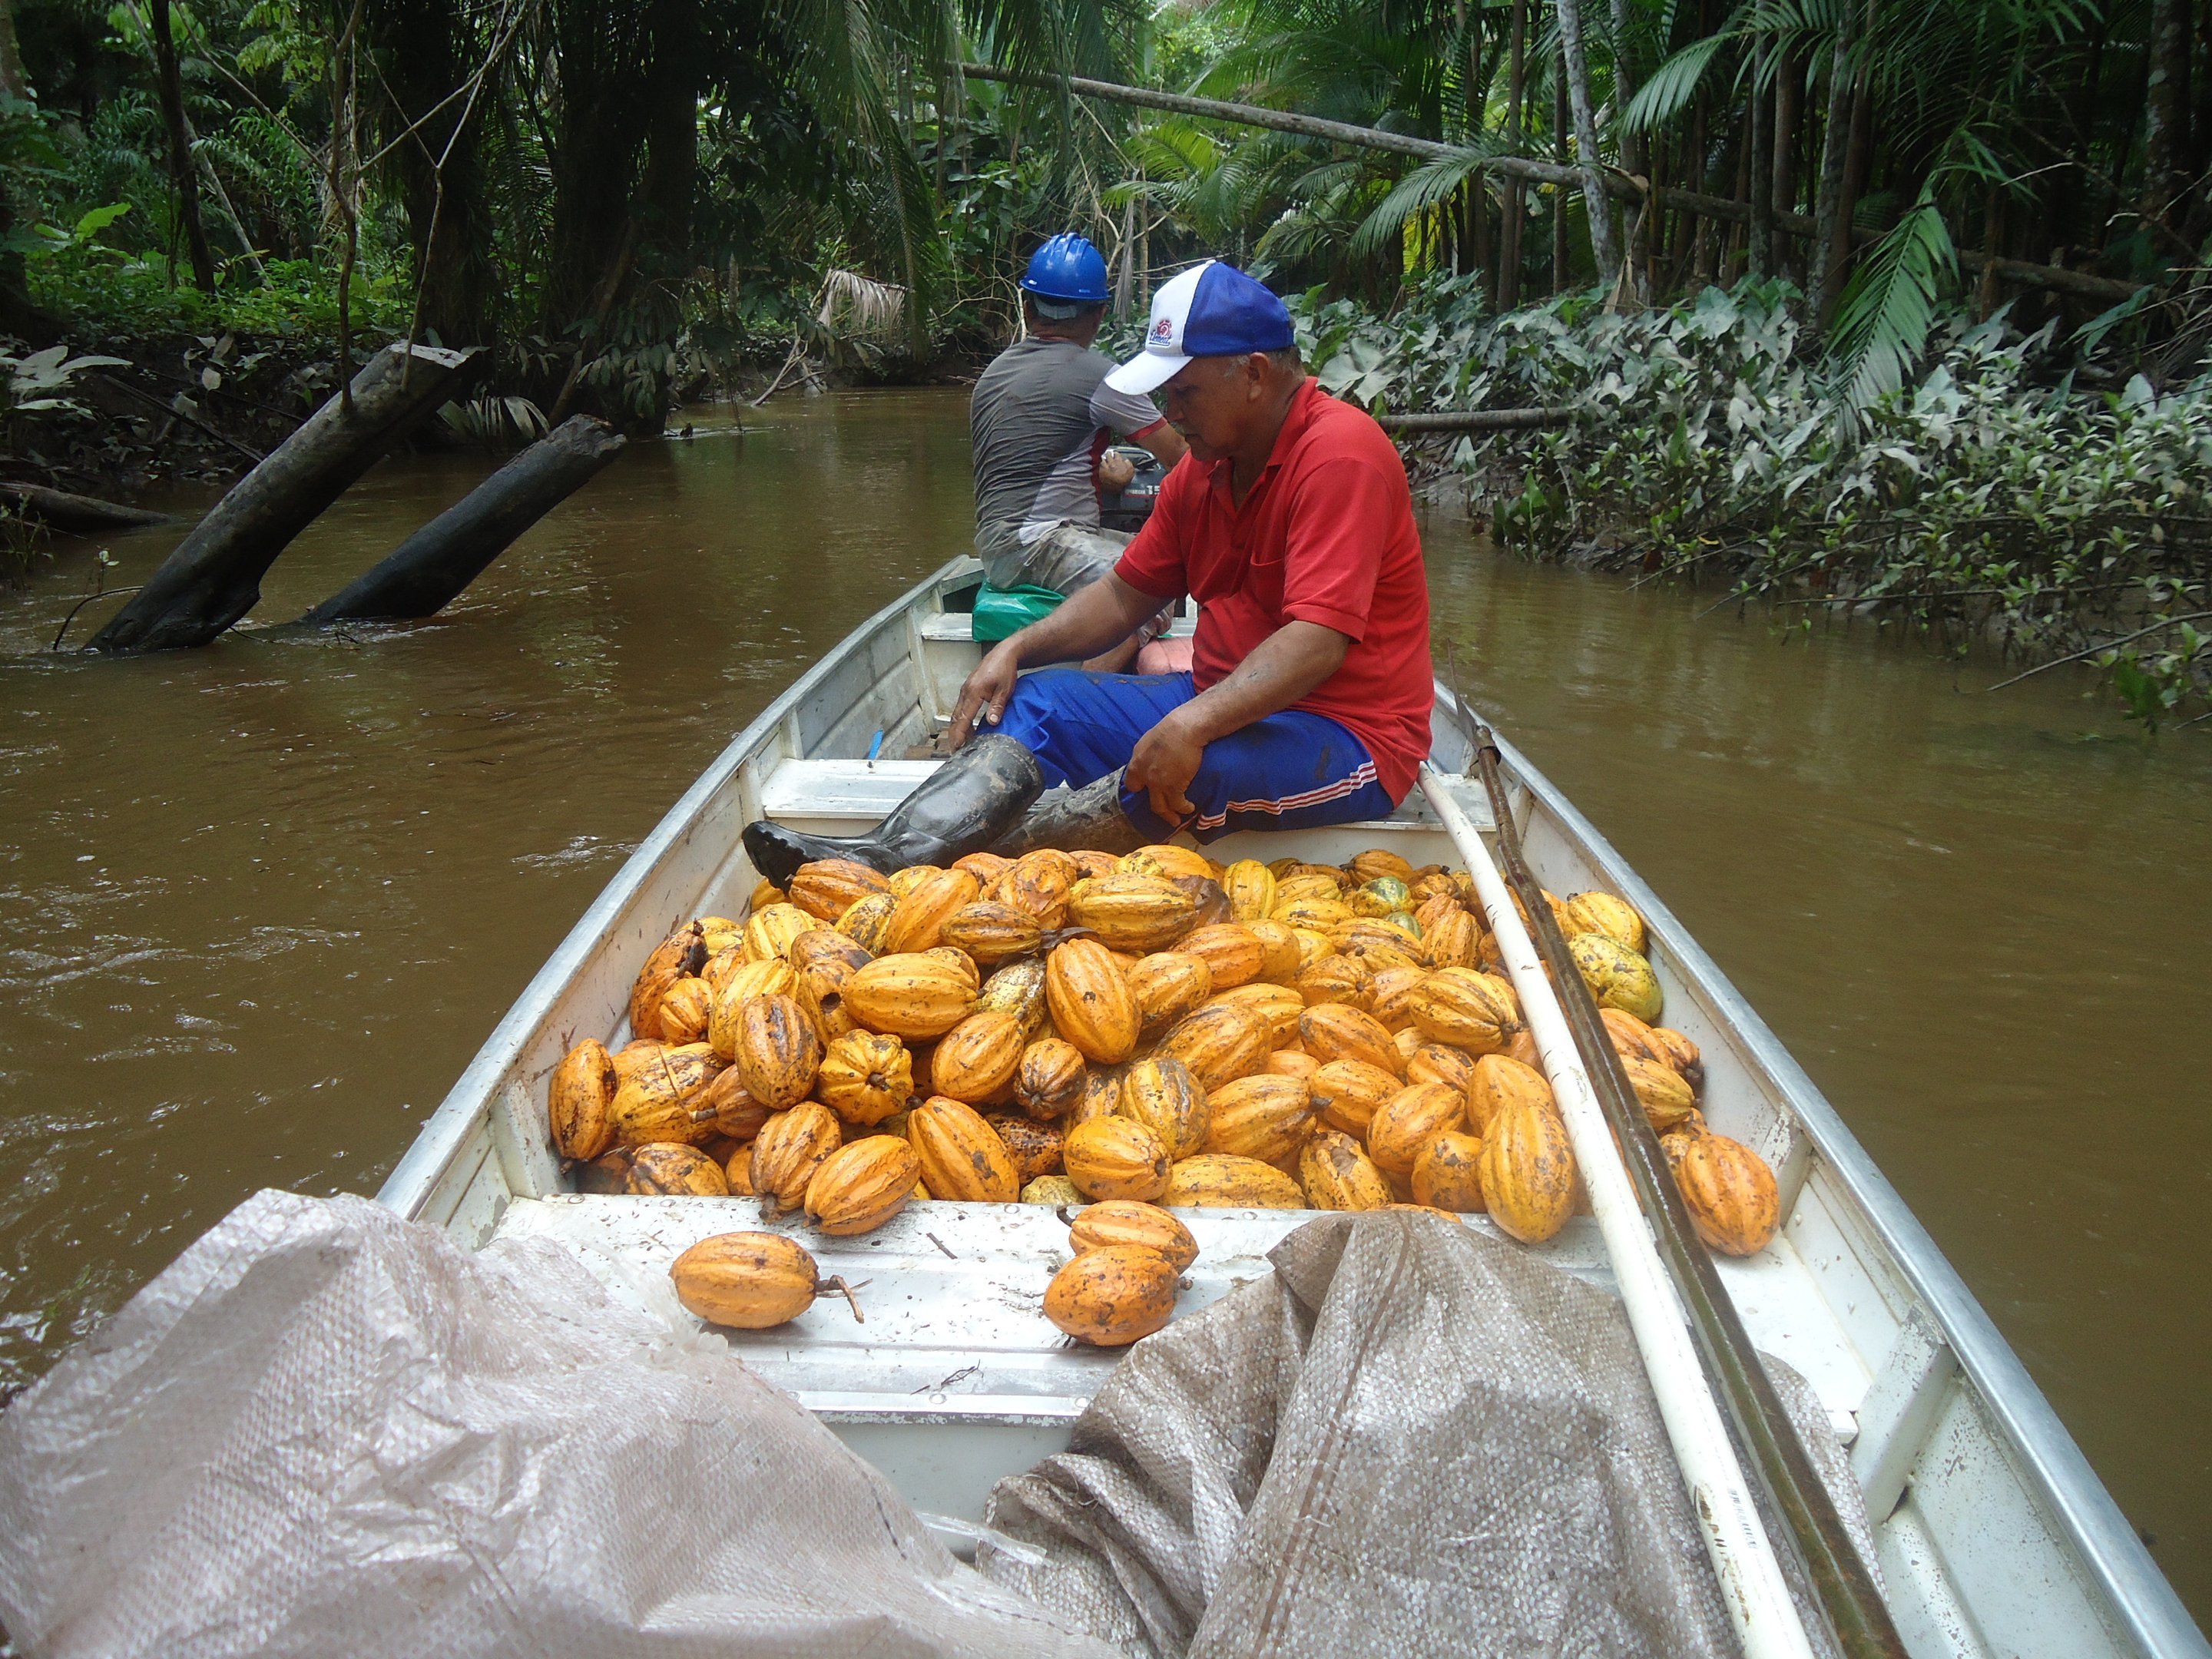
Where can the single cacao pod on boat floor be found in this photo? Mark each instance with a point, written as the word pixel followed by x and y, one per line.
pixel 1527 1172
pixel 1113 1295
pixel 1731 1194
pixel 583 1087
pixel 750 1281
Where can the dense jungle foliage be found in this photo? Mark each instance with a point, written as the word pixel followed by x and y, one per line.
pixel 1901 303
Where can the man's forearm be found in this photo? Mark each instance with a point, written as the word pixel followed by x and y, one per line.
pixel 1289 663
pixel 1095 619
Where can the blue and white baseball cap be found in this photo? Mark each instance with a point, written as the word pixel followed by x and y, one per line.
pixel 1212 310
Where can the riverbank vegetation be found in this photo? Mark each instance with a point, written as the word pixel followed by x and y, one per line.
pixel 1904 305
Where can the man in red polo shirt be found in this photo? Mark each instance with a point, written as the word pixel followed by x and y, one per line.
pixel 1291 525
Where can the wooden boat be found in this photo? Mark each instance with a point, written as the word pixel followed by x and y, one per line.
pixel 1995 1536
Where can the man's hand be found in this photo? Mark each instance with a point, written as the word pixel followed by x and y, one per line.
pixel 984 692
pixel 1164 762
pixel 1116 471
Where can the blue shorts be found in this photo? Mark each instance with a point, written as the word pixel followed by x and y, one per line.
pixel 1290 771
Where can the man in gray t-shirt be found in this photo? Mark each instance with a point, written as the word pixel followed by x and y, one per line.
pixel 1041 419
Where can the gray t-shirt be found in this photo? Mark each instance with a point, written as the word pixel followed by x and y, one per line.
pixel 1039 417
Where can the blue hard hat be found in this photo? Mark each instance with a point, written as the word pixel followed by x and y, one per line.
pixel 1067 268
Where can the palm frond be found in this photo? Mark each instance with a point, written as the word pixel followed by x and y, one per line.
pixel 1672 85
pixel 1426 187
pixel 1882 325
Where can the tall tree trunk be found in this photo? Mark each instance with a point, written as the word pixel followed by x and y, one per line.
pixel 1787 133
pixel 1605 248
pixel 1559 151
pixel 11 56
pixel 16 308
pixel 1636 153
pixel 1765 103
pixel 1515 210
pixel 2166 108
pixel 428 51
pixel 1830 233
pixel 184 177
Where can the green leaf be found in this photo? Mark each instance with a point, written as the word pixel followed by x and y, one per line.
pixel 1671 86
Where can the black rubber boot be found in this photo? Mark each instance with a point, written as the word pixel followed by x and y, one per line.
pixel 1085 820
pixel 978 795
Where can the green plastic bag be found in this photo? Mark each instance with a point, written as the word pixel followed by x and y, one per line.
pixel 1001 611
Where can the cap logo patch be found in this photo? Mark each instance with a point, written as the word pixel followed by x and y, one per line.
pixel 1163 329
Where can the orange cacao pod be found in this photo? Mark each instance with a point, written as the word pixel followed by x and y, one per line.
pixel 1461 1008
pixel 1102 1094
pixel 1113 1295
pixel 1682 1057
pixel 1121 1221
pixel 680 956
pixel 728 1107
pixel 1132 912
pixel 1222 1181
pixel 1279 956
pixel 1667 1099
pixel 1049 1080
pixel 1390 995
pixel 789 1148
pixel 962 1156
pixel 908 995
pixel 1341 979
pixel 1221 1042
pixel 685 1011
pixel 1115 1157
pixel 1730 1193
pixel 1448 1174
pixel 582 1088
pixel 1169 984
pixel 865 1077
pixel 1328 1031
pixel 677 1170
pixel 1338 1175
pixel 827 888
pixel 1292 1062
pixel 975 1061
pixel 1498 1081
pixel 1161 1094
pixel 1034 1147
pixel 1439 1062
pixel 1527 1172
pixel 1377 861
pixel 819 944
pixel 655 1103
pixel 1278 1005
pixel 993 932
pixel 1091 1004
pixel 1232 953
pixel 859 1186
pixel 919 922
pixel 749 1280
pixel 769 931
pixel 986 867
pixel 864 922
pixel 1347 1093
pixel 1165 860
pixel 1408 1121
pixel 1265 1117
pixel 1038 885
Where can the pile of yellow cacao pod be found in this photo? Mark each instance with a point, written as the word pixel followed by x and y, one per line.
pixel 1156 1029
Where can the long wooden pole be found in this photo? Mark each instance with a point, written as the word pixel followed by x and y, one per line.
pixel 2079 283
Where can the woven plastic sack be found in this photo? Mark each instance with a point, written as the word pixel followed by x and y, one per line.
pixel 1413 1438
pixel 326 1431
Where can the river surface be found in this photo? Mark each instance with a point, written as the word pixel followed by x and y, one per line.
pixel 260 903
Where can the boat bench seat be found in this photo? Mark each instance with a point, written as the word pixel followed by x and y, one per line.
pixel 958 627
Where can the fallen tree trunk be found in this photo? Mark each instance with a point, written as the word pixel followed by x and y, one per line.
pixel 77 514
pixel 428 571
pixel 214 577
pixel 1479 420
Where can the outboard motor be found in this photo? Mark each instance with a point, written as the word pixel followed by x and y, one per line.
pixel 1128 508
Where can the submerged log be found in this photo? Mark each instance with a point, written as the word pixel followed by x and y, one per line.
pixel 86 515
pixel 428 570
pixel 214 577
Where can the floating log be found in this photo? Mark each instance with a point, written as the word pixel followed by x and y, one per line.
pixel 214 577
pixel 86 515
pixel 428 571
pixel 1480 420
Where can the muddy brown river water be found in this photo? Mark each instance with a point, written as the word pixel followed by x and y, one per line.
pixel 259 903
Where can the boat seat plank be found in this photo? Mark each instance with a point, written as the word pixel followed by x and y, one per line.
pixel 957 627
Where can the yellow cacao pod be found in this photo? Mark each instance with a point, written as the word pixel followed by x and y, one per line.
pixel 1617 976
pixel 769 931
pixel 975 1061
pixel 1049 1080
pixel 1232 953
pixel 865 1077
pixel 1249 886
pixel 859 1186
pixel 821 992
pixel 1121 1222
pixel 1312 915
pixel 1038 885
pixel 1378 861
pixel 777 1051
pixel 680 956
pixel 634 1056
pixel 864 921
pixel 1220 1180
pixel 722 966
pixel 1408 1121
pixel 749 1280
pixel 1439 1062
pixel 685 1011
pixel 1115 1157
pixel 1337 1174
pixel 1730 1193
pixel 655 1103
pixel 582 1088
pixel 986 867
pixel 1135 913
pixel 1034 1147
pixel 1169 984
pixel 1390 996
pixel 903 882
pixel 910 995
pixel 1602 913
pixel 1091 1001
pixel 1682 1057
pixel 993 932
pixel 1017 988
pixel 1112 1295
pixel 1448 1174
pixel 1304 886
pixel 828 888
pixel 1221 1042
pixel 1292 1062
pixel 1164 860
pixel 1265 1117
pixel 1667 1102
pixel 1462 1010
pixel 1341 980
pixel 789 1148
pixel 1330 1031
pixel 962 1156
pixel 1527 1172
pixel 719 933
pixel 748 983
pixel 961 962
pixel 824 945
pixel 1347 1093
pixel 1053 1189
pixel 1280 957
pixel 676 1171
pixel 727 1107
pixel 917 923
pixel 1498 1081
pixel 1102 1094
pixel 1161 1094
pixel 1278 1005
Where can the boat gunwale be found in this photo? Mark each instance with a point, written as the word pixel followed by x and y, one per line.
pixel 2137 1593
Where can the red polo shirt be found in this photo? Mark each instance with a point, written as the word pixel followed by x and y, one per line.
pixel 1326 536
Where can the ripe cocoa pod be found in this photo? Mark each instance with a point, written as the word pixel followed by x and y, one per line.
pixel 718 934
pixel 975 1061
pixel 1454 938
pixel 777 1051
pixel 1164 860
pixel 1090 1002
pixel 1115 1157
pixel 1731 1194
pixel 1602 913
pixel 1034 1147
pixel 865 1077
pixel 828 888
pixel 1278 1005
pixel 1390 996
pixel 655 1103
pixel 1667 1099
pixel 1249 886
pixel 678 1171
pixel 680 956
pixel 1378 861
pixel 1263 1117
pixel 861 1185
pixel 1448 1174
pixel 751 1281
pixel 744 985
pixel 1464 1010
pixel 607 1174
pixel 1102 1094
pixel 1281 958
pixel 1682 1057
pixel 769 931
pixel 1161 1094
pixel 992 933
pixel 1347 1093
pixel 912 995
pixel 1527 1172
pixel 789 1148
pixel 1337 1174
pixel 1330 1032
pixel 1053 1189
pixel 819 944
pixel 1169 984
pixel 1038 885
pixel 1135 913
pixel 864 922
pixel 1219 1181
pixel 1341 980
pixel 686 1009
pixel 1439 1062
pixel 1222 1042
pixel 904 881
pixel 1049 1079
pixel 1124 1222
pixel 821 992
pixel 1112 1295
pixel 986 867
pixel 1232 953
pixel 582 1088
pixel 728 1108
pixel 962 1156
pixel 1498 1081
pixel 1408 1121
pixel 918 924
pixel 1291 1062
pixel 1618 977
